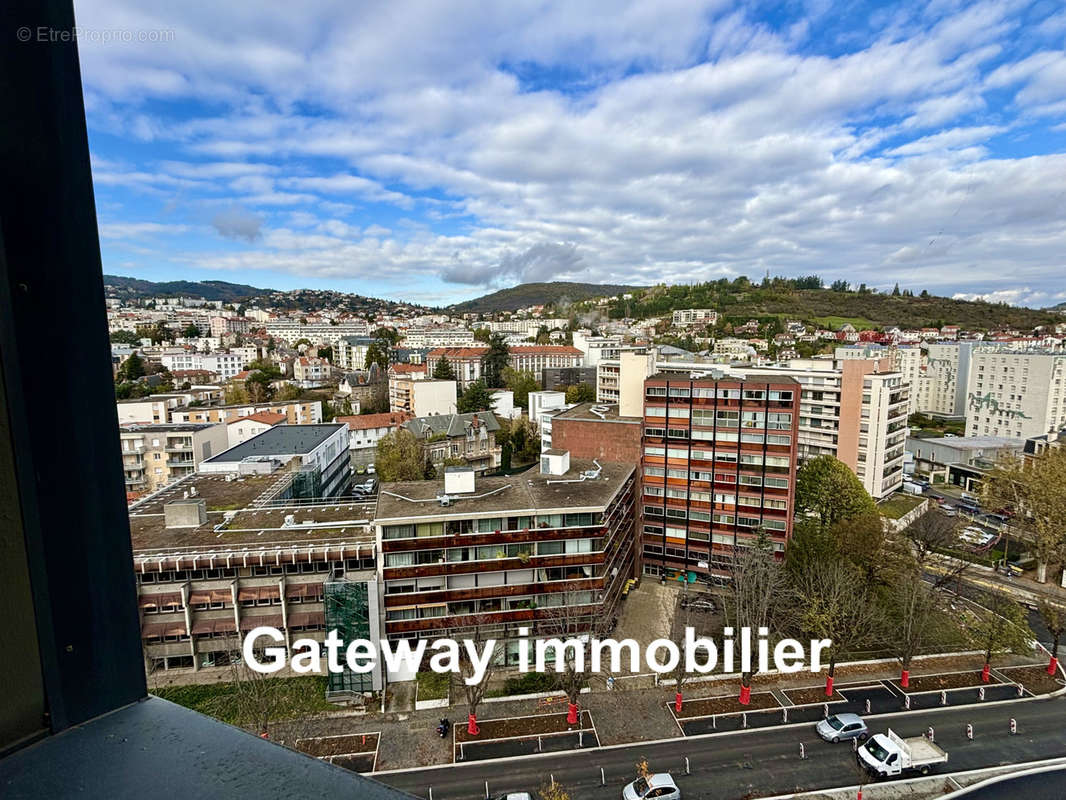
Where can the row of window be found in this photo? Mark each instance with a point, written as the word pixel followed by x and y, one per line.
pixel 716 497
pixel 717 518
pixel 490 525
pixel 731 456
pixel 482 580
pixel 490 552
pixel 302 567
pixel 701 536
pixel 770 481
pixel 722 394
pixel 491 605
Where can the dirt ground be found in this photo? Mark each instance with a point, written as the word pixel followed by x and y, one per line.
pixel 522 726
pixel 957 680
pixel 1034 678
pixel 813 695
pixel 339 745
pixel 726 704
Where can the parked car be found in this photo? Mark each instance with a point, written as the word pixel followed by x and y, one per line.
pixel 514 796
pixel 977 537
pixel 842 727
pixel 370 469
pixel 948 511
pixel 660 785
pixel 698 603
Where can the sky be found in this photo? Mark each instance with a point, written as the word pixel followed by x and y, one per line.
pixel 434 151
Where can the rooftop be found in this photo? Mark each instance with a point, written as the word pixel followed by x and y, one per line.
pixel 280 440
pixel 974 442
pixel 525 492
pixel 267 417
pixel 451 424
pixel 602 413
pixel 165 427
pixel 362 422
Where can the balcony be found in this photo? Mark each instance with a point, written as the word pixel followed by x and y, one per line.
pixel 178 447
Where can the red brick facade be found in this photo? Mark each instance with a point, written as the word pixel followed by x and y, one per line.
pixel 608 440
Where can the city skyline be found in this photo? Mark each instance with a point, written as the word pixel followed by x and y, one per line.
pixel 435 155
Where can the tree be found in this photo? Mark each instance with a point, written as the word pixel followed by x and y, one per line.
pixel 756 588
pixel 861 540
pixel 826 488
pixel 562 627
pixel 1002 628
pixel 376 354
pixel 929 534
pixel 191 331
pixel 839 286
pixel 132 368
pixel 1039 484
pixel 494 362
pixel 236 394
pixel 1053 615
pixel 399 457
pixel 125 337
pixel 474 691
pixel 442 370
pixel 832 600
pixel 521 383
pixel 387 334
pixel 290 391
pixel 482 335
pixel 580 393
pixel 895 290
pixel 912 607
pixel 550 790
pixel 475 397
pixel 157 332
pixel 524 440
pixel 259 386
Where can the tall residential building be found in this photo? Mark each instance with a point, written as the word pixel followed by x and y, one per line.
pixel 623 376
pixel 906 359
pixel 943 384
pixel 500 554
pixel 684 317
pixel 225 365
pixel 854 410
pixel 156 455
pixel 719 466
pixel 1016 394
pixel 291 331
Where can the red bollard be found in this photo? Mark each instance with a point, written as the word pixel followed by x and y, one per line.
pixel 571 714
pixel 677 702
pixel 1052 666
pixel 471 725
pixel 905 678
pixel 829 686
pixel 985 673
pixel 745 695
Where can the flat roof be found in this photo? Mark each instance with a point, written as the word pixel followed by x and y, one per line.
pixel 605 413
pixel 529 491
pixel 280 440
pixel 165 427
pixel 971 442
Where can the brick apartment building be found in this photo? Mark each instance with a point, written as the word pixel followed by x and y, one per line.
pixel 719 464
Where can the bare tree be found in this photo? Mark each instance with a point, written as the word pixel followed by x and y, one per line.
pixel 1054 618
pixel 913 606
pixel 832 601
pixel 568 624
pixel 1001 627
pixel 472 686
pixel 756 587
pixel 701 627
pixel 931 533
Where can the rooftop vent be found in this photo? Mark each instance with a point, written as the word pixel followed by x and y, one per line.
pixel 554 462
pixel 458 480
pixel 185 513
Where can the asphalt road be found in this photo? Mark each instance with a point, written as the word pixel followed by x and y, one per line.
pixel 766 761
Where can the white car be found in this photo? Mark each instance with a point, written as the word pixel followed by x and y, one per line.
pixel 660 785
pixel 976 536
pixel 514 796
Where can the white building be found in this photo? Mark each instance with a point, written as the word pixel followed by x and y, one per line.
pixel 906 359
pixel 632 365
pixel 1016 394
pixel 241 429
pixel 225 365
pixel 417 338
pixel 291 331
pixel 503 404
pixel 942 385
pixel 694 316
pixel 422 398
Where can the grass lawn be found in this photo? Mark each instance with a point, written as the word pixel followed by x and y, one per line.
pixel 899 504
pixel 286 698
pixel 835 323
pixel 432 685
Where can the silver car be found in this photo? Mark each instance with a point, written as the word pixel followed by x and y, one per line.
pixel 660 786
pixel 841 727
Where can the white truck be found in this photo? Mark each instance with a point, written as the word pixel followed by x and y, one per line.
pixel 886 755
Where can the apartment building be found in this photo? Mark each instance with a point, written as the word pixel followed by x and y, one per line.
pixel 718 467
pixel 220 325
pixel 734 349
pixel 215 558
pixel 536 358
pixel 905 359
pixel 526 327
pixel 438 337
pixel 309 372
pixel 684 317
pixel 349 353
pixel 1016 394
pixel 156 455
pixel 854 410
pixel 563 377
pixel 158 408
pixel 465 362
pixel 366 430
pixel 469 437
pixel 291 331
pixel 225 365
pixel 241 429
pixel 620 381
pixel 943 384
pixel 595 349
pixel 548 552
pixel 318 453
pixel 296 412
pixel 421 397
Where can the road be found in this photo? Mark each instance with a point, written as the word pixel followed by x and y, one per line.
pixel 766 761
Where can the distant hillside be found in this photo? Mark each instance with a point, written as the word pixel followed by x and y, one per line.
pixel 535 294
pixel 741 300
pixel 136 289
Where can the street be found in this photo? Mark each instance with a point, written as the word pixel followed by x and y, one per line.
pixel 734 765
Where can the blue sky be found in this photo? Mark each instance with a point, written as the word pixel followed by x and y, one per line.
pixel 433 152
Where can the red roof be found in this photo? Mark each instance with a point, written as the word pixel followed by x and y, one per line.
pixel 362 422
pixel 266 417
pixel 545 350
pixel 457 352
pixel 410 369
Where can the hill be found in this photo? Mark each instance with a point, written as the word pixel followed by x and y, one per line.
pixel 556 293
pixel 137 289
pixel 740 300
